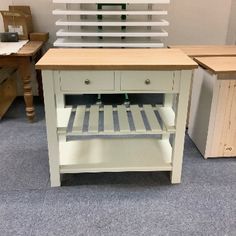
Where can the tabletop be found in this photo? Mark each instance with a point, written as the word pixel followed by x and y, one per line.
pixel 28 50
pixel 206 50
pixel 115 59
pixel 218 65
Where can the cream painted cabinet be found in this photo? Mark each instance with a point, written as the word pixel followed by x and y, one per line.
pixel 213 107
pixel 115 138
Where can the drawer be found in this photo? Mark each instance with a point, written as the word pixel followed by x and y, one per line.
pixel 149 81
pixel 77 81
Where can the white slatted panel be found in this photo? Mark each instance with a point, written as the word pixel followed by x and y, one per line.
pixel 93 119
pixel 123 119
pixel 112 23
pixel 78 120
pixel 137 118
pixel 115 13
pixel 134 43
pixel 117 33
pixel 152 119
pixel 108 119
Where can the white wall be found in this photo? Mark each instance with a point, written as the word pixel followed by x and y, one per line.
pixel 199 21
pixel 231 37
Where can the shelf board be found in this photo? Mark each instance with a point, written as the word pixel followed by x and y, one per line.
pixel 114 33
pixel 112 22
pixel 109 12
pixel 115 155
pixel 115 1
pixel 146 120
pixel 108 43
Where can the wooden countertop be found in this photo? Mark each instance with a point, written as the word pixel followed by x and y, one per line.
pixel 218 65
pixel 207 50
pixel 29 49
pixel 115 59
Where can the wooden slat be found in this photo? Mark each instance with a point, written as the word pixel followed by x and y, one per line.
pixel 137 118
pixel 108 119
pixel 112 23
pixel 93 119
pixel 108 12
pixel 79 119
pixel 168 117
pixel 152 119
pixel 123 119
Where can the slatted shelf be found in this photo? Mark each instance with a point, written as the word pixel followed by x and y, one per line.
pixel 109 33
pixel 110 42
pixel 107 12
pixel 111 22
pixel 132 120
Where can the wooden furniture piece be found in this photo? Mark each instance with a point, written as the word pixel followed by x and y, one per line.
pixel 92 71
pixel 213 107
pixel 207 50
pixel 138 24
pixel 22 60
pixel 7 89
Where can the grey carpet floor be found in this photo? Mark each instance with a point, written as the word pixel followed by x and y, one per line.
pixel 112 203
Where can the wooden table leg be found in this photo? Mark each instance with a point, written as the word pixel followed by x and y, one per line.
pixel 25 74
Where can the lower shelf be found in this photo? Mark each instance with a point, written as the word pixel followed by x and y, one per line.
pixel 115 155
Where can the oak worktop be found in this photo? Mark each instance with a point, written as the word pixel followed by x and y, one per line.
pixel 115 59
pixel 206 50
pixel 218 65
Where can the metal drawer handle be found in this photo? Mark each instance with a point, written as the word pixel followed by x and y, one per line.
pixel 87 81
pixel 147 81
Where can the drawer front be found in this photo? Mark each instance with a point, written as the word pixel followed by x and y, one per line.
pixel 86 80
pixel 149 81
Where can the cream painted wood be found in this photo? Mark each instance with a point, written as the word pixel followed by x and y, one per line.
pixel 149 81
pixel 123 119
pixel 212 114
pixel 79 119
pixel 137 118
pixel 152 119
pixel 123 112
pixel 168 117
pixel 86 80
pixel 115 155
pixel 51 122
pixel 181 115
pixel 108 119
pixel 63 116
pixel 93 119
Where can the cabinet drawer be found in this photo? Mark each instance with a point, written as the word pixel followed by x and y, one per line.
pixel 86 80
pixel 149 81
